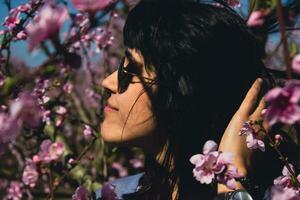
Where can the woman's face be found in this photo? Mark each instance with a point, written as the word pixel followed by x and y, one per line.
pixel 128 118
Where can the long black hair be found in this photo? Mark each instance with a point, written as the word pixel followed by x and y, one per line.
pixel 205 60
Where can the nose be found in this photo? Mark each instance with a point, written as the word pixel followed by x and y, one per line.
pixel 111 82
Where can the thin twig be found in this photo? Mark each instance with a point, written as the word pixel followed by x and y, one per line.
pixel 282 158
pixel 279 14
pixel 51 185
pixel 86 148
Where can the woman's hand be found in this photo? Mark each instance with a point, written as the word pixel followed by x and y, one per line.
pixel 231 141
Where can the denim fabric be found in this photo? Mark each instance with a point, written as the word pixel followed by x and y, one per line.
pixel 124 185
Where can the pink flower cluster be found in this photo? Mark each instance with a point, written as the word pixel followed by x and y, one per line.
pixel 87 132
pixel 296 64
pixel 215 165
pixel 92 5
pixel 252 140
pixel 23 110
pixel 13 19
pixel 108 192
pixel 46 24
pixel 14 22
pixel 234 3
pixel 100 37
pixel 257 18
pixel 81 194
pixel 49 152
pixel 14 191
pixel 283 104
pixel 30 174
pixel 119 167
pixel 284 188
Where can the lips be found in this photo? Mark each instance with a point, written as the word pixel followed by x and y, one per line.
pixel 110 106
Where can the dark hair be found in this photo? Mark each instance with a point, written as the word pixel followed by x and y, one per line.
pixel 205 60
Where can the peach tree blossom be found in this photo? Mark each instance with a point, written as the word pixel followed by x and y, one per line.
pixel 284 105
pixel 213 165
pixel 252 140
pixel 285 187
pixel 296 64
pixel 50 113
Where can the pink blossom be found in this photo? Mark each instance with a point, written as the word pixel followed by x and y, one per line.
pixel 122 171
pixel 15 191
pixel 204 170
pixel 278 138
pixel 21 35
pixel 81 194
pixel 283 102
pixel 24 7
pixel 251 137
pixel 9 128
pixel 286 179
pixel 214 165
pixel 58 121
pixel 229 177
pixel 296 64
pixel 71 161
pixel 45 99
pixel 36 159
pixel 45 24
pixel 234 3
pixel 30 174
pixel 108 192
pixel 61 110
pixel 46 116
pixel 68 87
pixel 56 150
pixel 92 5
pixel 257 18
pixel 50 151
pixel 137 163
pixel 281 193
pixel 209 146
pixel 12 20
pixel 87 131
pixel 26 109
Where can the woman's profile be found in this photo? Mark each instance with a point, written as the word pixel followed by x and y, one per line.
pixel 187 69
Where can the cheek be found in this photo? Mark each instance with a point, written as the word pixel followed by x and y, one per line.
pixel 133 122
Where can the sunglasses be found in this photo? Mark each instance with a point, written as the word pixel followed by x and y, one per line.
pixel 125 77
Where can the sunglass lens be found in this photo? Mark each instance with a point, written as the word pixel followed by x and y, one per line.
pixel 123 78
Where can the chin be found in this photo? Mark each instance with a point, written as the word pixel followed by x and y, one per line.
pixel 110 133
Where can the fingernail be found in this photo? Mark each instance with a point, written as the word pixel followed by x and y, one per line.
pixel 260 80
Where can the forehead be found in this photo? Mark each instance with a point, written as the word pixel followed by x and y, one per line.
pixel 135 55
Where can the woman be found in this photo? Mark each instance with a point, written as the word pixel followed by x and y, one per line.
pixel 186 70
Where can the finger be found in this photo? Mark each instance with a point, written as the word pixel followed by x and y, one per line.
pixel 257 113
pixel 249 102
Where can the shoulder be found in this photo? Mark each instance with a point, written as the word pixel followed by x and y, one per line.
pixel 123 185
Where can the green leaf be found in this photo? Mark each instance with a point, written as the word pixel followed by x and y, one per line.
pixel 291 132
pixel 96 186
pixel 9 84
pixel 49 70
pixel 293 49
pixel 49 130
pixel 78 173
pixel 1 39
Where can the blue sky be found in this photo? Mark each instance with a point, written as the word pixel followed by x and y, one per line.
pixel 19 49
